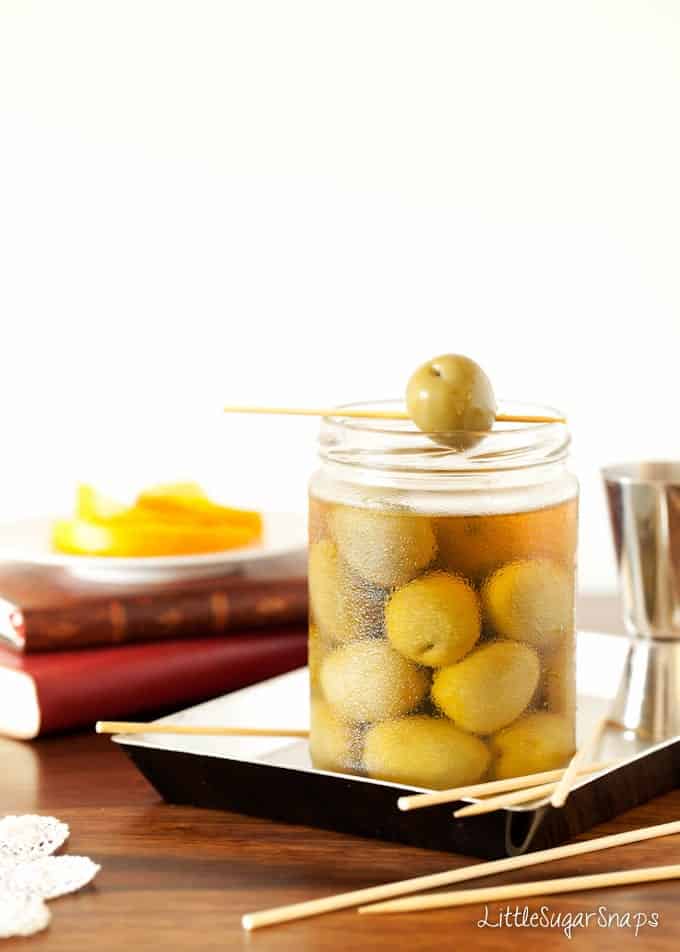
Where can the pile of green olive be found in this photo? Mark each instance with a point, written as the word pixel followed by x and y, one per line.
pixel 425 676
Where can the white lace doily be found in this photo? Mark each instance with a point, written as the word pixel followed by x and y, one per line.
pixel 30 874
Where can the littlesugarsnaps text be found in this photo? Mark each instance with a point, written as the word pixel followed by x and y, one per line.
pixel 523 917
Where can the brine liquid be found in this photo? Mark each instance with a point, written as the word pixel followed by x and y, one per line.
pixel 441 648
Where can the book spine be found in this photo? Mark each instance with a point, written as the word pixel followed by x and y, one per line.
pixel 157 616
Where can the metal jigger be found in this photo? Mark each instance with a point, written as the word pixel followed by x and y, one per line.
pixel 644 506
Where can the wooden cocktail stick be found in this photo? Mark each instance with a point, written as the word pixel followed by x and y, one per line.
pixel 563 788
pixel 378 414
pixel 128 727
pixel 514 798
pixel 542 887
pixel 492 787
pixel 315 907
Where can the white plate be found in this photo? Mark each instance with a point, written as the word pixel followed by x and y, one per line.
pixel 29 541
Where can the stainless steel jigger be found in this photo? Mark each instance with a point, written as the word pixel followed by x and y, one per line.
pixel 644 506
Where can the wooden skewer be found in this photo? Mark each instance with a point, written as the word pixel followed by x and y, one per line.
pixel 561 791
pixel 542 887
pixel 128 727
pixel 315 907
pixel 418 800
pixel 351 413
pixel 491 804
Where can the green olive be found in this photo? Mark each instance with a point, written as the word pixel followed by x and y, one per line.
pixel 331 740
pixel 424 751
pixel 530 601
pixel 369 681
pixel 342 605
pixel 434 620
pixel 560 679
pixel 385 548
pixel 449 394
pixel 489 688
pixel 537 742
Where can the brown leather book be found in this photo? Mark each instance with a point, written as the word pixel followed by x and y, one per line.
pixel 46 612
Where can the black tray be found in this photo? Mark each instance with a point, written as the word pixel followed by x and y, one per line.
pixel 273 778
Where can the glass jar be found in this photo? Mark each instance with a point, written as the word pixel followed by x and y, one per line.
pixel 441 637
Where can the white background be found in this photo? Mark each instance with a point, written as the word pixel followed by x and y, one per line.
pixel 296 202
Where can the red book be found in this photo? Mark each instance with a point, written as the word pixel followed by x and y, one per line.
pixel 45 693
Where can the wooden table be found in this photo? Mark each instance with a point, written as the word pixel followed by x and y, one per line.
pixel 178 878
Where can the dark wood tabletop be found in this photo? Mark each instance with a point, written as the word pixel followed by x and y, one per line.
pixel 179 878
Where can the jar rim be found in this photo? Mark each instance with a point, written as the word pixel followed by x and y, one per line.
pixel 400 445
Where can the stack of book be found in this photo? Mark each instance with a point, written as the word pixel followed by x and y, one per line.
pixel 72 653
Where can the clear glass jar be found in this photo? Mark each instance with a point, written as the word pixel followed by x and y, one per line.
pixel 441 638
